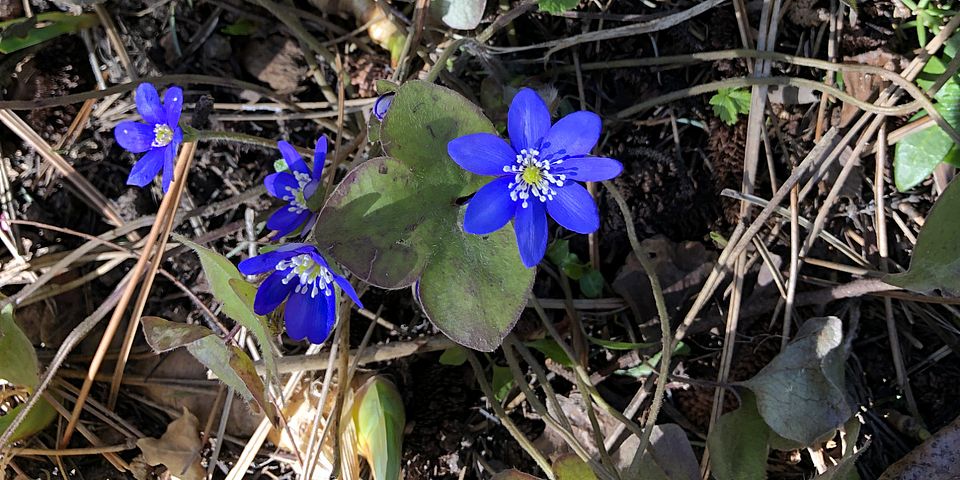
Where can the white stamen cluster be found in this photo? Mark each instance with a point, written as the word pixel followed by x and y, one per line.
pixel 296 199
pixel 162 135
pixel 310 275
pixel 532 177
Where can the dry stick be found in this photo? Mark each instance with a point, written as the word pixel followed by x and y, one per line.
pixel 666 337
pixel 585 385
pixel 741 236
pixel 117 462
pixel 756 125
pixel 880 225
pixel 71 341
pixel 182 79
pixel 256 440
pixel 131 287
pixel 565 431
pixel 167 213
pixel 114 37
pixel 71 452
pixel 505 419
pixel 88 193
pixel 639 28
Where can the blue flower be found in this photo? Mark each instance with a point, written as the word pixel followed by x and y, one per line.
pixel 537 174
pixel 160 136
pixel 304 278
pixel 295 187
pixel 382 104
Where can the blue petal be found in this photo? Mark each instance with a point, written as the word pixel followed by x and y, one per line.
pixel 531 230
pixel 310 317
pixel 491 208
pixel 382 104
pixel 573 207
pixel 285 221
pixel 266 262
pixel 528 120
pixel 348 289
pixel 293 159
pixel 572 136
pixel 146 168
pixel 319 157
pixel 173 105
pixel 169 153
pixel 481 153
pixel 271 293
pixel 278 183
pixel 588 169
pixel 148 104
pixel 134 136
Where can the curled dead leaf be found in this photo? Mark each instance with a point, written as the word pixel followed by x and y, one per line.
pixel 178 449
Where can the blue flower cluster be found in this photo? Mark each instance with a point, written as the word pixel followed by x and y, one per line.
pixel 536 174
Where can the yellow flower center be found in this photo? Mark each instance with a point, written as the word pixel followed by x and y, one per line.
pixel 162 135
pixel 532 175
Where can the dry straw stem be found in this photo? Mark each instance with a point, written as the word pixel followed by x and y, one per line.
pixel 179 79
pixel 159 232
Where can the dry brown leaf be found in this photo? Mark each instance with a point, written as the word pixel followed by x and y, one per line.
pixel 936 459
pixel 178 449
pixel 181 365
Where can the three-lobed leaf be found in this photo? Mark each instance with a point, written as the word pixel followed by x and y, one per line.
pixel 396 221
pixel 730 103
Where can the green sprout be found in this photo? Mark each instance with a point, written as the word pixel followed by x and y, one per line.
pixel 929 16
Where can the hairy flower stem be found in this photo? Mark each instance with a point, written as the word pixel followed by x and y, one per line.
pixel 221 136
pixel 502 415
pixel 665 333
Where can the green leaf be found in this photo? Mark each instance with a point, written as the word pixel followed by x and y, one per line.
pixel 556 7
pixel 738 443
pixel 502 382
pixel 458 14
pixel 570 467
pixel 21 33
pixel 591 283
pixel 236 294
pixel 919 153
pixel 380 419
pixel 645 369
pixel 395 222
pixel 614 345
pixel 454 356
pixel 513 475
pixel 229 363
pixel 935 264
pixel 552 350
pixel 20 369
pixel 241 28
pixel 729 103
pixel 800 393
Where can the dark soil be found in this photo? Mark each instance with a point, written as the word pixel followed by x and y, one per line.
pixel 672 188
